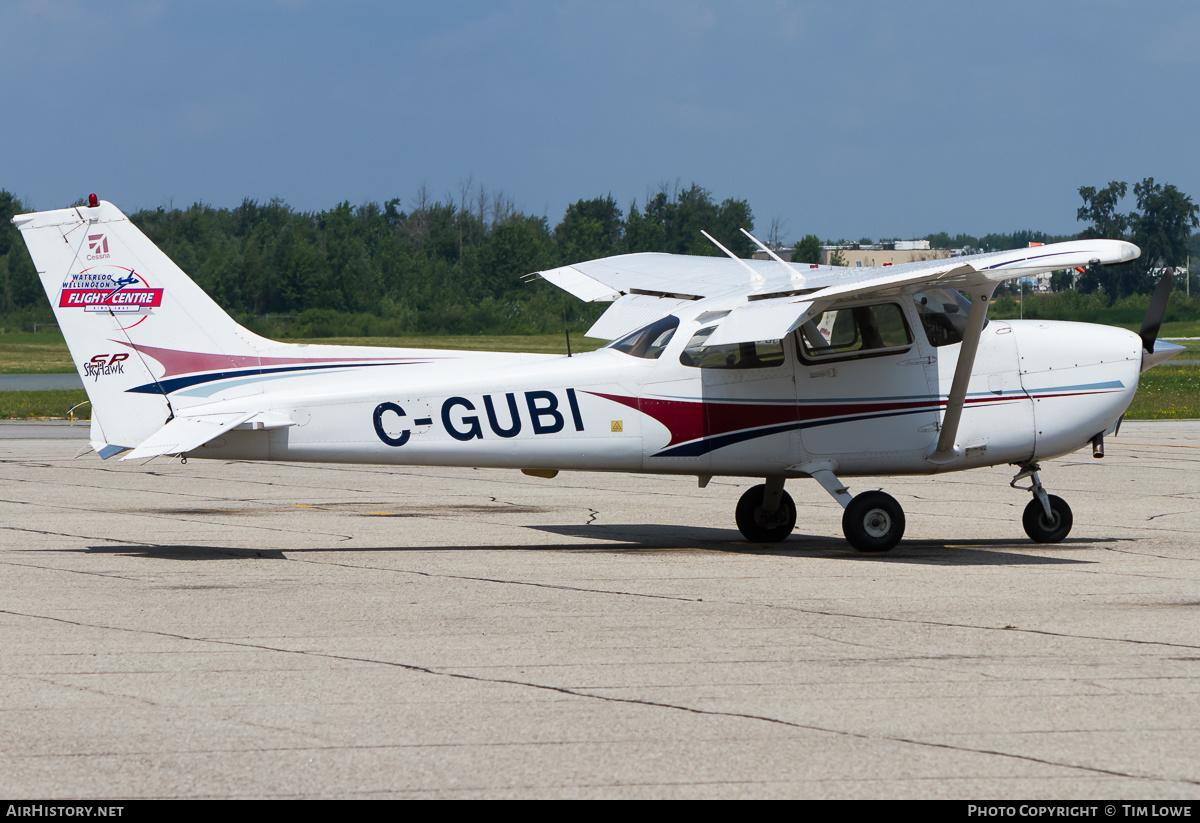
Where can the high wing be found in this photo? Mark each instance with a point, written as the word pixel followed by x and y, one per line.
pixel 768 299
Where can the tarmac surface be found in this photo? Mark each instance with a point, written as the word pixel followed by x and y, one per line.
pixel 226 629
pixel 40 382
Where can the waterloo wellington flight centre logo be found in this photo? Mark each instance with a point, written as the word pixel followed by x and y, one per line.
pixel 109 289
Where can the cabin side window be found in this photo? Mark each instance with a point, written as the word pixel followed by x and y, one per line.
pixel 860 331
pixel 760 354
pixel 648 342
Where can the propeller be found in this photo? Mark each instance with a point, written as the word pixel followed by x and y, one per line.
pixel 1156 311
pixel 1157 352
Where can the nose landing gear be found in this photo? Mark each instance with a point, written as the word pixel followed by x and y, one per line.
pixel 1047 518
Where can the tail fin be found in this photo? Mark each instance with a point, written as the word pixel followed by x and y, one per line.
pixel 130 316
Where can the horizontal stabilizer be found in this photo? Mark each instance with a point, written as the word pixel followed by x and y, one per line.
pixel 186 433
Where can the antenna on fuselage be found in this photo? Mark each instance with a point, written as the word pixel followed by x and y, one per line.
pixel 755 277
pixel 793 274
pixel 566 323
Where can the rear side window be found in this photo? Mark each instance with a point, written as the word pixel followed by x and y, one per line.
pixel 760 354
pixel 861 331
pixel 648 342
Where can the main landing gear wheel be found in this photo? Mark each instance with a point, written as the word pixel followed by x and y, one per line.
pixel 1042 529
pixel 873 522
pixel 759 525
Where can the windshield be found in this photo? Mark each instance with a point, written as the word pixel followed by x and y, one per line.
pixel 648 342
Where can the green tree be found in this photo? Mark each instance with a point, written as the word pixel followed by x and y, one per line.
pixel 1100 209
pixel 673 224
pixel 1161 228
pixel 1062 280
pixel 514 249
pixel 732 216
pixel 646 230
pixel 589 229
pixel 19 286
pixel 808 250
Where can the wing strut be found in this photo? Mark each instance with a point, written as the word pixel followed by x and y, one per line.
pixel 946 451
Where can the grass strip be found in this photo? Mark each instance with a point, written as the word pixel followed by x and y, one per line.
pixel 44 405
pixel 1167 393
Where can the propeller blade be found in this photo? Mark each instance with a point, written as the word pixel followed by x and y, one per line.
pixel 1156 311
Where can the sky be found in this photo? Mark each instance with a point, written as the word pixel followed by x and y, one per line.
pixel 841 119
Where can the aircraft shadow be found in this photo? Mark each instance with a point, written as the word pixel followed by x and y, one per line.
pixel 188 552
pixel 990 551
pixel 662 538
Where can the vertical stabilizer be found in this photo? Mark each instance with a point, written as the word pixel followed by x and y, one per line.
pixel 129 316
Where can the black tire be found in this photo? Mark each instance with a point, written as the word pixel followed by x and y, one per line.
pixel 760 526
pixel 1043 530
pixel 873 522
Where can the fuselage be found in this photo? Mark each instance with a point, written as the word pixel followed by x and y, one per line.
pixel 1039 389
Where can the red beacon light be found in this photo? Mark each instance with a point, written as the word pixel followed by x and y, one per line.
pixel 93 200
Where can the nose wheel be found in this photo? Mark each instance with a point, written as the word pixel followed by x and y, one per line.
pixel 1051 528
pixel 1047 518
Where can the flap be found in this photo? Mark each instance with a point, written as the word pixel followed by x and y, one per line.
pixel 632 312
pixel 761 320
pixel 573 281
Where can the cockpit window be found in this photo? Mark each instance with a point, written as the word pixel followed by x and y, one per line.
pixel 648 342
pixel 760 354
pixel 943 314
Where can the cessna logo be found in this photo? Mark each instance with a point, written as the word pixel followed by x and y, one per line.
pixel 108 288
pixel 506 417
pixel 98 246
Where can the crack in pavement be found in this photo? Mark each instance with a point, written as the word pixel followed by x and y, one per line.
pixel 799 609
pixel 624 700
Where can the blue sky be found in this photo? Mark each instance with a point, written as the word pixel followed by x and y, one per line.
pixel 842 119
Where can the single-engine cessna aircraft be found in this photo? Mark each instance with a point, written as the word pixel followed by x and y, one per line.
pixel 747 368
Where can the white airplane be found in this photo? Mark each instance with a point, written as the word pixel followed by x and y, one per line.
pixel 729 367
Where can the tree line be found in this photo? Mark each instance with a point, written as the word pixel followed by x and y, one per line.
pixel 452 266
pixel 458 265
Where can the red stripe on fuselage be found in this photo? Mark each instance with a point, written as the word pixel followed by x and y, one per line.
pixel 691 420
